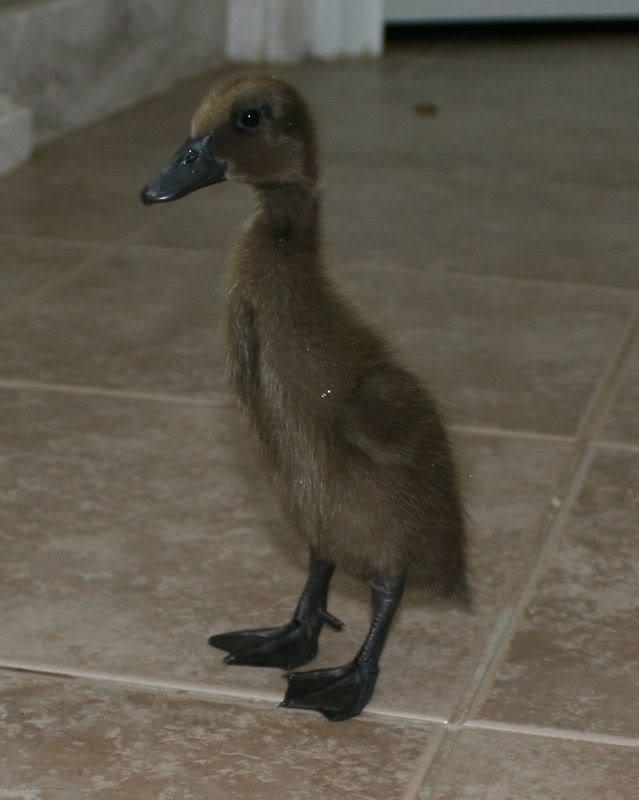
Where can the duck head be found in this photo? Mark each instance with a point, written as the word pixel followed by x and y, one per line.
pixel 256 130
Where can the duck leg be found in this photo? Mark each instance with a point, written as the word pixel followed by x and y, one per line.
pixel 294 644
pixel 342 692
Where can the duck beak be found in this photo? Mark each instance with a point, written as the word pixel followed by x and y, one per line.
pixel 192 167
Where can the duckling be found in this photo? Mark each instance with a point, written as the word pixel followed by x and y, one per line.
pixel 358 453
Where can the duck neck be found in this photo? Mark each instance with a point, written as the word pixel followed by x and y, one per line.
pixel 289 212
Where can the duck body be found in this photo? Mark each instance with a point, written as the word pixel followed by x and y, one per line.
pixel 357 451
pixel 358 454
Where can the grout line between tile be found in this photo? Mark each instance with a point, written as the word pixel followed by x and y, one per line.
pixel 209 690
pixel 125 394
pixel 553 733
pixel 217 399
pixel 498 632
pixel 500 643
pixel 442 269
pixel 423 764
pixel 627 446
pixel 8 665
pixel 488 430
pixel 501 630
pixel 544 283
pixel 436 767
pixel 404 716
pixel 604 392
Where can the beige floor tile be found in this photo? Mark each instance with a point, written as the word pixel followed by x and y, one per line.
pixel 71 739
pixel 76 173
pixel 502 106
pixel 497 765
pixel 485 182
pixel 140 318
pixel 76 190
pixel 208 220
pixel 386 215
pixel 511 227
pixel 87 215
pixel 476 221
pixel 132 530
pixel 574 660
pixel 29 265
pixel 622 421
pixel 496 352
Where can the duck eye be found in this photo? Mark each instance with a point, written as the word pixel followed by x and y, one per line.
pixel 250 118
pixel 190 157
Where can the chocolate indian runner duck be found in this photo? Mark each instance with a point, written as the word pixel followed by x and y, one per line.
pixel 358 454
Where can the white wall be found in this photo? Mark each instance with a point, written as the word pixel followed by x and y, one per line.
pixel 286 30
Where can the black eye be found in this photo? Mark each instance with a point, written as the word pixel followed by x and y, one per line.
pixel 249 118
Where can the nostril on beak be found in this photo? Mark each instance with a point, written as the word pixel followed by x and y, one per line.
pixel 190 157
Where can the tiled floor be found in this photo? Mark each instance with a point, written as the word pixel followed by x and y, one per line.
pixel 497 242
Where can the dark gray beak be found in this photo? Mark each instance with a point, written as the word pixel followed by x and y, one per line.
pixel 192 167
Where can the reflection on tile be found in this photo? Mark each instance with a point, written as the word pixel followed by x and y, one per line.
pixel 28 265
pixel 134 529
pixel 574 661
pixel 492 765
pixel 71 738
pixel 622 421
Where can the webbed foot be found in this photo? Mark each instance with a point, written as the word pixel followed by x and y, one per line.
pixel 338 694
pixel 286 647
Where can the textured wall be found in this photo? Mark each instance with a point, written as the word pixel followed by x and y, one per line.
pixel 71 61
